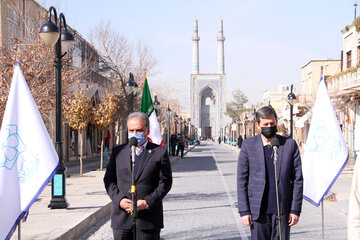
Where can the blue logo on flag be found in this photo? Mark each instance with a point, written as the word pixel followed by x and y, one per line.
pixel 13 149
pixel 12 146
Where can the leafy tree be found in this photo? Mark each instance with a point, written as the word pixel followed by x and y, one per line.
pixel 77 111
pixel 236 107
pixel 103 117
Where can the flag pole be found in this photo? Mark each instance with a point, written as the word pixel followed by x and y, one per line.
pixel 322 201
pixel 19 231
pixel 322 221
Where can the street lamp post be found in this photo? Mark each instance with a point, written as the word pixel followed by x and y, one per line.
pixel 50 34
pixel 254 115
pixel 169 128
pixel 131 88
pixel 185 127
pixel 245 123
pixel 156 105
pixel 291 100
pixel 175 123
pixel 181 125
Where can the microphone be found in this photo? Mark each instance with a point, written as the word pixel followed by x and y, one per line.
pixel 133 141
pixel 275 143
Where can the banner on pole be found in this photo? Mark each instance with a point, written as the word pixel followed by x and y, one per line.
pixel 325 153
pixel 28 159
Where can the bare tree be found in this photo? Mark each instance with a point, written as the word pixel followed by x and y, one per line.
pixel 118 57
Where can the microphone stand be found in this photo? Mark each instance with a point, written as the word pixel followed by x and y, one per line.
pixel 278 217
pixel 133 193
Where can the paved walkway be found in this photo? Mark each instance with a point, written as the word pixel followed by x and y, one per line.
pixel 201 204
pixel 88 204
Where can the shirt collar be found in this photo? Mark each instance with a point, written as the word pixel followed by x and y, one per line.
pixel 141 148
pixel 265 143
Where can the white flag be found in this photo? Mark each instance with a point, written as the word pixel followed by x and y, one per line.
pixel 325 153
pixel 28 159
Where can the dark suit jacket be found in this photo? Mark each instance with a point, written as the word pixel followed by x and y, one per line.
pixel 153 182
pixel 251 176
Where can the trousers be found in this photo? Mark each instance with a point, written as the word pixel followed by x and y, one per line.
pixel 264 227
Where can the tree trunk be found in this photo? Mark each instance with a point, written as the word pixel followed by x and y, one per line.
pixel 81 151
pixel 76 145
pixel 102 150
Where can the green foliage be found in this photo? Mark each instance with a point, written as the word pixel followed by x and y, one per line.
pixel 236 107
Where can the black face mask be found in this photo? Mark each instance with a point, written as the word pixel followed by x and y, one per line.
pixel 269 132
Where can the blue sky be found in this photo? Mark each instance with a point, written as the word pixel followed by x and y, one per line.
pixel 267 41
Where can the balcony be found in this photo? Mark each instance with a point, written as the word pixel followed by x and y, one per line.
pixel 344 83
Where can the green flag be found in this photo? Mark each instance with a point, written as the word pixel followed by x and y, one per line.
pixel 147 107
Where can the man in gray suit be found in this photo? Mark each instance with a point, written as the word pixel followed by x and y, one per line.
pixel 256 180
pixel 153 180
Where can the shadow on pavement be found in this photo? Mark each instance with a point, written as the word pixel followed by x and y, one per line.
pixel 192 164
pixel 197 208
pixel 220 232
pixel 201 149
pixel 191 196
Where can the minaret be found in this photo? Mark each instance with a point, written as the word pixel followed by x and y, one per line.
pixel 195 55
pixel 221 39
pixel 355 5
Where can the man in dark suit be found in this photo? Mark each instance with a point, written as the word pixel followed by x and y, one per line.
pixel 153 181
pixel 256 180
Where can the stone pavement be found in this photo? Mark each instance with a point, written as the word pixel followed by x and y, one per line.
pixel 202 202
pixel 88 204
pixel 336 206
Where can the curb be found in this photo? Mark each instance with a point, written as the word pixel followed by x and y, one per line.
pixel 236 149
pixel 81 228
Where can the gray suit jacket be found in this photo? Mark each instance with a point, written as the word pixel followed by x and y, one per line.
pixel 251 176
pixel 153 182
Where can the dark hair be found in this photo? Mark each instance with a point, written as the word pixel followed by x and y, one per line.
pixel 265 112
pixel 139 115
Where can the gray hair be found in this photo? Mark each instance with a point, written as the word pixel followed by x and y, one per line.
pixel 139 115
pixel 265 112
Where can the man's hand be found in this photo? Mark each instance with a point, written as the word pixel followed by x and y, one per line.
pixel 141 204
pixel 293 219
pixel 247 220
pixel 125 204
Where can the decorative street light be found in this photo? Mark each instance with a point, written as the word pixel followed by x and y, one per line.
pixel 189 127
pixel 169 128
pixel 50 34
pixel 245 123
pixel 254 116
pixel 175 123
pixel 131 88
pixel 291 100
pixel 181 125
pixel 156 105
pixel 185 127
